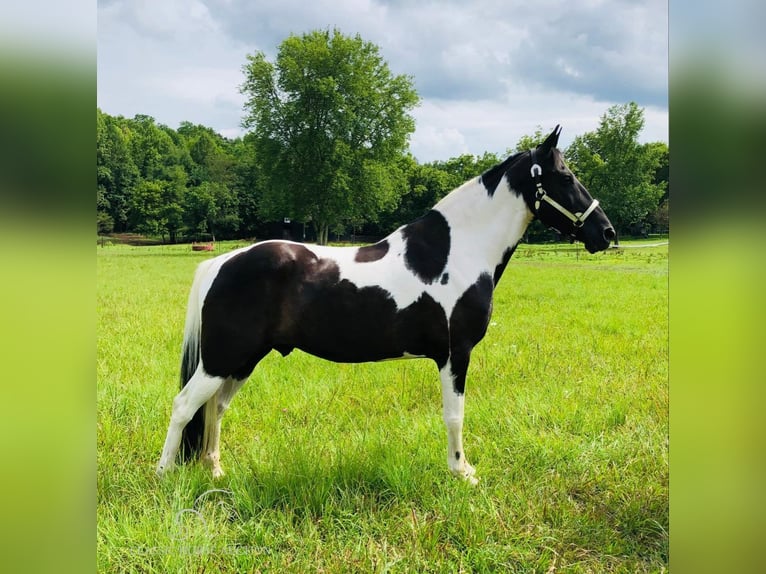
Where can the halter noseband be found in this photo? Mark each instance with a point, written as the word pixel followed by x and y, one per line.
pixel 578 219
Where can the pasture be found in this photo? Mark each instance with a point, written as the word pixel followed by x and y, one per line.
pixel 341 468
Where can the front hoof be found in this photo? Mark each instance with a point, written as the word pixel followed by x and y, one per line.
pixel 470 475
pixel 163 470
pixel 466 473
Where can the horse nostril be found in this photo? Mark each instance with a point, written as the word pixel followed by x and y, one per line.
pixel 609 234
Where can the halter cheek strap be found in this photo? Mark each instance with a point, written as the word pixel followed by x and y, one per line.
pixel 577 219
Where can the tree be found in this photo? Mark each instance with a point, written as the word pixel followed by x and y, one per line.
pixel 329 121
pixel 661 176
pixel 247 186
pixel 152 148
pixel 464 167
pixel 211 208
pixel 173 191
pixel 146 209
pixel 660 218
pixel 527 142
pixel 116 173
pixel 617 169
pixel 104 221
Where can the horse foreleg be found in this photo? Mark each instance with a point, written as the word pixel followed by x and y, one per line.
pixel 453 403
pixel 216 407
pixel 200 388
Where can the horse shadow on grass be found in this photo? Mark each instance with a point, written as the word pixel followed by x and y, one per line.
pixel 314 486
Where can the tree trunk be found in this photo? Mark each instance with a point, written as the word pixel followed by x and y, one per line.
pixel 322 230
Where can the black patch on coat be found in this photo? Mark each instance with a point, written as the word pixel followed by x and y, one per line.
pixel 242 307
pixel 500 267
pixel 491 178
pixel 468 325
pixel 282 296
pixel 372 252
pixel 427 246
pixel 457 455
pixel 347 324
pixel 445 279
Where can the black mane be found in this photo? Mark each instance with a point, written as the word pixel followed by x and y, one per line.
pixel 491 178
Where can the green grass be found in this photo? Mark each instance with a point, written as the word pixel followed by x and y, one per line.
pixel 342 468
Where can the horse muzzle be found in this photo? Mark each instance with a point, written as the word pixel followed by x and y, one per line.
pixel 601 243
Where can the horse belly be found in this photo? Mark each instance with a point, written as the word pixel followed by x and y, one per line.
pixel 348 324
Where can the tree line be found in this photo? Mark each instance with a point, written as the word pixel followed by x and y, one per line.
pixel 326 150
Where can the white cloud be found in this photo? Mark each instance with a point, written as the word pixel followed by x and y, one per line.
pixel 488 71
pixel 171 19
pixel 201 85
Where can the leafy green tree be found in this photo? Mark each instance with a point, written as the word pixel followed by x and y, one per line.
pixel 247 183
pixel 661 153
pixel 116 172
pixel 428 184
pixel 146 208
pixel 104 221
pixel 211 208
pixel 173 191
pixel 149 147
pixel 199 206
pixel 329 121
pixel 617 169
pixel 210 154
pixel 660 218
pixel 527 142
pixel 464 167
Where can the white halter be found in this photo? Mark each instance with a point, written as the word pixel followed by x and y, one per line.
pixel 578 219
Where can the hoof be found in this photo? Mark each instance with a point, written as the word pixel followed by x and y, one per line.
pixel 466 473
pixel 213 461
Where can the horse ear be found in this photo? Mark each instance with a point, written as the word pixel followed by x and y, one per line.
pixel 551 141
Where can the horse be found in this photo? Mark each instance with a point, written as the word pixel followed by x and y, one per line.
pixel 424 291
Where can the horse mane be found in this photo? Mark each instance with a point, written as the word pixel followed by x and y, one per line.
pixel 491 178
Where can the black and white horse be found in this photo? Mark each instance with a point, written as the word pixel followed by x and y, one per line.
pixel 423 291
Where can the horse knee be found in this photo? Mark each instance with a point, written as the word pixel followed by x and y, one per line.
pixel 453 422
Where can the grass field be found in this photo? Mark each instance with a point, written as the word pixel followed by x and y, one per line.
pixel 342 468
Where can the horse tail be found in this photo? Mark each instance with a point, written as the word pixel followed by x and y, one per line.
pixel 191 357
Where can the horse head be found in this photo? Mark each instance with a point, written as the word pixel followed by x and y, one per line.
pixel 558 199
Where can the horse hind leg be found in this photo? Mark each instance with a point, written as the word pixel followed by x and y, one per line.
pixel 217 405
pixel 199 390
pixel 214 411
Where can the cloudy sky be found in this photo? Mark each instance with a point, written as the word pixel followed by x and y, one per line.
pixel 487 71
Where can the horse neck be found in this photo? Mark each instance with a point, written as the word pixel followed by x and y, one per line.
pixel 486 224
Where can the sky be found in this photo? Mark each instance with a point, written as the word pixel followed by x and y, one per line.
pixel 487 71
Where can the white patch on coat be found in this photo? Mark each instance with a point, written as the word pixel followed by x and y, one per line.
pixel 481 226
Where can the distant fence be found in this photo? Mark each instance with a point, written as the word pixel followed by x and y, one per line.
pixel 579 248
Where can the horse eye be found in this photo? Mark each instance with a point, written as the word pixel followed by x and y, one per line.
pixel 568 178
